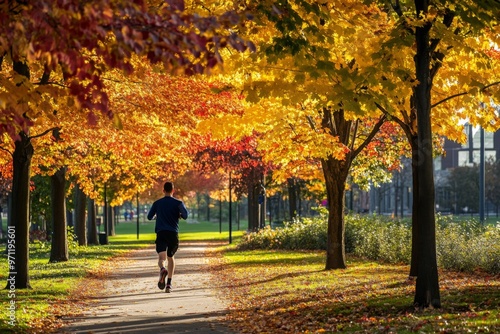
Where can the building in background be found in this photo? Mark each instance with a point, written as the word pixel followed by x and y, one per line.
pixel 456 178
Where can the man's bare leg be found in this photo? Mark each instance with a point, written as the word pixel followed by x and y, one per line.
pixel 163 272
pixel 162 256
pixel 171 268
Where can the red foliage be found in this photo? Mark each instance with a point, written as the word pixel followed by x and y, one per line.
pixel 6 174
pixel 67 35
pixel 241 158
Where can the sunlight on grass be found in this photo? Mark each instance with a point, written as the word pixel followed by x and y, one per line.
pixel 287 291
pixel 53 283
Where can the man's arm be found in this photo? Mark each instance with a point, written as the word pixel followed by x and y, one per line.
pixel 152 211
pixel 183 211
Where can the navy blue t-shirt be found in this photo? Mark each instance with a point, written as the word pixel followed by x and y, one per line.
pixel 168 210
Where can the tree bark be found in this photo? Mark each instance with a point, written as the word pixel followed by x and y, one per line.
pixel 427 285
pixel 111 220
pixel 93 238
pixel 208 207
pixel 336 173
pixel 23 154
pixel 18 271
pixel 415 209
pixel 253 206
pixel 80 210
pixel 292 197
pixel 198 208
pixel 59 249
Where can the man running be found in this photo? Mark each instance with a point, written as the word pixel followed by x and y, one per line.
pixel 167 210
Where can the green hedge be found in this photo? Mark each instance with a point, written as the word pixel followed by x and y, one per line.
pixel 464 245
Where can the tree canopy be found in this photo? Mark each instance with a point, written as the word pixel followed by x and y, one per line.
pixel 333 89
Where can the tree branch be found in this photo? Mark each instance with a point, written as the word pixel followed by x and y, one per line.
pixel 354 134
pixel 8 151
pixel 397 8
pixel 490 85
pixel 44 80
pixel 463 93
pixel 436 55
pixel 405 126
pixel 44 133
pixel 369 138
pixel 311 123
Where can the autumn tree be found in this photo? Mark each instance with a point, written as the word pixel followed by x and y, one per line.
pixel 52 50
pixel 311 95
pixel 368 54
pixel 81 230
pixel 198 186
pixel 443 65
pixel 59 248
pixel 390 82
pixel 238 160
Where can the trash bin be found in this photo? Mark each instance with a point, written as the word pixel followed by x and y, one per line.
pixel 103 238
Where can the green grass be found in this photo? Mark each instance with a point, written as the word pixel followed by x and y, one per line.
pixel 289 291
pixel 53 283
pixel 203 231
pixel 492 220
pixel 273 291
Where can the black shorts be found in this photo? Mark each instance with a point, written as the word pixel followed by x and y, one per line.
pixel 167 241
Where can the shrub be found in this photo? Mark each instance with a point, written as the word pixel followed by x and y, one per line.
pixel 453 248
pixel 464 246
pixel 38 235
pixel 299 234
pixel 378 238
pixel 489 243
pixel 38 239
pixel 467 246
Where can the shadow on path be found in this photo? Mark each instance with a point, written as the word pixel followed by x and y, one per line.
pixel 132 302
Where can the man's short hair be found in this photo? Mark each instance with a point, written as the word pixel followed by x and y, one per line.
pixel 168 187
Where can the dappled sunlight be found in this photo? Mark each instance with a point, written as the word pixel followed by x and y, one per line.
pixel 284 291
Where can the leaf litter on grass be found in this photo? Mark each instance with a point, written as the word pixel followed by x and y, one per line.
pixel 266 295
pixel 81 299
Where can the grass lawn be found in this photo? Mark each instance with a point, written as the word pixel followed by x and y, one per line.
pixel 290 292
pixel 58 289
pixel 268 291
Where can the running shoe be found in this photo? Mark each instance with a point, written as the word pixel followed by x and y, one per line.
pixel 161 281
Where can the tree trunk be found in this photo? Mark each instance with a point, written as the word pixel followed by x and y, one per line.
pixel 80 209
pixel 198 202
pixel 59 250
pixel 262 202
pixel 253 207
pixel 336 173
pixel 414 213
pixel 298 193
pixel 427 285
pixel 18 271
pixel 208 207
pixel 111 220
pixel 92 223
pixel 292 197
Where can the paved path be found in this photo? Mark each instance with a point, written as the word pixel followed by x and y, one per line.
pixel 132 302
